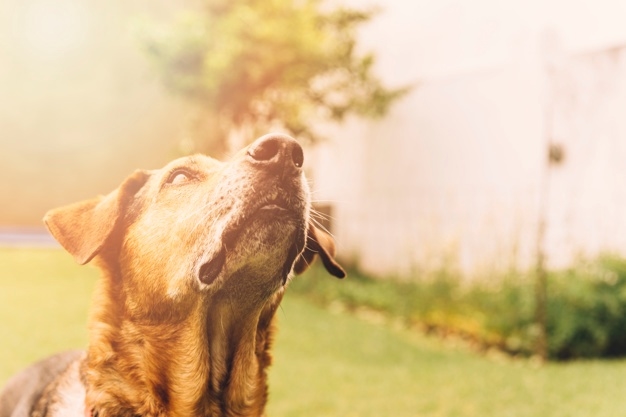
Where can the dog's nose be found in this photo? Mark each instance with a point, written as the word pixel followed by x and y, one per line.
pixel 277 152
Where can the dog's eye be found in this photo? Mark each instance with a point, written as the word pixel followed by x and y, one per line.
pixel 179 176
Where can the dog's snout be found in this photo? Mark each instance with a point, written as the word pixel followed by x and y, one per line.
pixel 277 152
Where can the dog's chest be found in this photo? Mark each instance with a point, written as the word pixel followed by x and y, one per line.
pixel 68 399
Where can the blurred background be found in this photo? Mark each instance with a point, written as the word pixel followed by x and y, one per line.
pixel 447 142
pixel 454 171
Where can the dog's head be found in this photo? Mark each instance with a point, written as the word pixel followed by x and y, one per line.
pixel 201 226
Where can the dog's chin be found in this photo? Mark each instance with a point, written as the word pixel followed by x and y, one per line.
pixel 267 242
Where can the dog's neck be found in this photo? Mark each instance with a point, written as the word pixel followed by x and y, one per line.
pixel 210 364
pixel 239 343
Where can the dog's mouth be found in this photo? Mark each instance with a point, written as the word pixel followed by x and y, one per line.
pixel 272 206
pixel 272 210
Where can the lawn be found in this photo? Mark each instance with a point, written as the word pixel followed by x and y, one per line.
pixel 326 363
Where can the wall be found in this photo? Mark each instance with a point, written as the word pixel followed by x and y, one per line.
pixel 456 173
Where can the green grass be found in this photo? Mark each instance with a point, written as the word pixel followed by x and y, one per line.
pixel 326 364
pixel 44 298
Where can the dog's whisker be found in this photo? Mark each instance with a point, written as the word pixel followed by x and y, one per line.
pixel 319 215
pixel 323 228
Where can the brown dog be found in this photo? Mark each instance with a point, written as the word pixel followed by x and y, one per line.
pixel 195 258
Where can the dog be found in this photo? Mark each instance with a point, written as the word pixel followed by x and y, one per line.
pixel 195 258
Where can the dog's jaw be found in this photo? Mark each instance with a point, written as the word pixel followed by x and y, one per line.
pixel 260 221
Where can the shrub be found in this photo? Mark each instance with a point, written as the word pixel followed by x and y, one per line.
pixel 586 309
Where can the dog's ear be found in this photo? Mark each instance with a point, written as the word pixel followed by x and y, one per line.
pixel 319 243
pixel 82 228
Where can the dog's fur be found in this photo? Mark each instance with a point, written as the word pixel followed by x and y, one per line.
pixel 195 258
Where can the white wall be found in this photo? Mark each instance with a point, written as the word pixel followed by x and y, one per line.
pixel 455 171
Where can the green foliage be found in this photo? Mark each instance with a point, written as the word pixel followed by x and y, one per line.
pixel 586 307
pixel 485 315
pixel 255 64
pixel 587 310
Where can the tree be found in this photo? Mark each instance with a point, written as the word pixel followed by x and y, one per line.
pixel 255 65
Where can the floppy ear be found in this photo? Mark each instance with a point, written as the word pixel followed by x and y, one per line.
pixel 82 228
pixel 319 243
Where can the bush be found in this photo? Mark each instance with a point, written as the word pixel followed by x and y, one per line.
pixel 586 309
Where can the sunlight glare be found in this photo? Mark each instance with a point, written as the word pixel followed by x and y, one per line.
pixel 52 29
